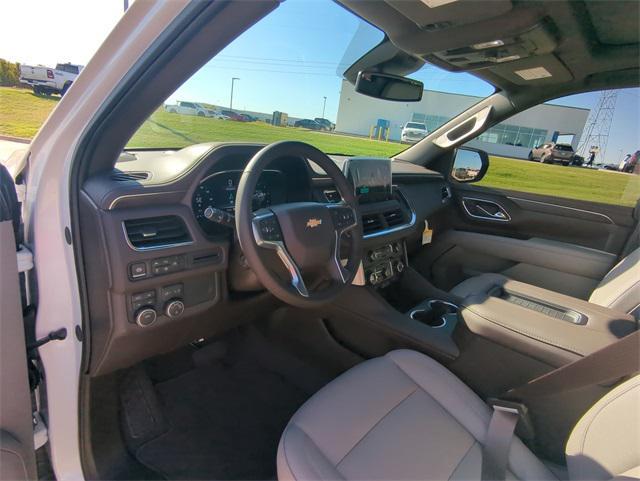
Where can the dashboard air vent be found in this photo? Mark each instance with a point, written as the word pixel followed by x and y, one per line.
pixel 156 232
pixel 393 217
pixel 332 196
pixel 371 223
pixel 446 193
pixel 122 176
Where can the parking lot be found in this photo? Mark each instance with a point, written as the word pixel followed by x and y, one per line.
pixel 22 113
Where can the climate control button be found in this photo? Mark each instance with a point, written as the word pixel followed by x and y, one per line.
pixel 174 308
pixel 146 316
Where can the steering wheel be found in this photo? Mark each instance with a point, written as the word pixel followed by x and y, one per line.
pixel 305 235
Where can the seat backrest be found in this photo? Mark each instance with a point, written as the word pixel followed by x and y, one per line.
pixel 606 441
pixel 620 288
pixel 633 242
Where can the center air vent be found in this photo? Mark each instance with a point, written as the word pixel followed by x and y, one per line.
pixel 156 232
pixel 121 176
pixel 393 217
pixel 371 223
pixel 332 196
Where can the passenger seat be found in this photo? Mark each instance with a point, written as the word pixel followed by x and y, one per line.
pixel 618 290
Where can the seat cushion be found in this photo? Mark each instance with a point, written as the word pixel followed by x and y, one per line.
pixel 399 417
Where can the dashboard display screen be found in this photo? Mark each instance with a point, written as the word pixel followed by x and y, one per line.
pixel 219 191
pixel 371 179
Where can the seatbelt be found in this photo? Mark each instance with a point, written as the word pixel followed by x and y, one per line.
pixel 612 362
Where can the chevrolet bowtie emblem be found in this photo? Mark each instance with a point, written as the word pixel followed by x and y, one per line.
pixel 313 223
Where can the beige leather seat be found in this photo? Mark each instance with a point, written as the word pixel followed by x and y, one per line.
pixel 618 290
pixel 405 417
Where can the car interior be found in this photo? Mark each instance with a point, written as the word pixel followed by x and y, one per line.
pixel 307 327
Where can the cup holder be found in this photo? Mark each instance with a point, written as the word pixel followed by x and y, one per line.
pixel 434 314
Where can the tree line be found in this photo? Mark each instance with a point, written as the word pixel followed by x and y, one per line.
pixel 9 74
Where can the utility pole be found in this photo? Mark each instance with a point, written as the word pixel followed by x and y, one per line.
pixel 324 104
pixel 233 80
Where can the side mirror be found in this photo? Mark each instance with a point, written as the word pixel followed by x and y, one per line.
pixel 389 87
pixel 469 165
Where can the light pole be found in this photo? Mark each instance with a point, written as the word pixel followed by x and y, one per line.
pixel 233 80
pixel 324 104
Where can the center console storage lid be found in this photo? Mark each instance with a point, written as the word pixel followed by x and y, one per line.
pixel 542 324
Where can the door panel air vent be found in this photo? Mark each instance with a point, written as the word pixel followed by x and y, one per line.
pixel 122 176
pixel 156 232
pixel 371 223
pixel 446 193
pixel 393 217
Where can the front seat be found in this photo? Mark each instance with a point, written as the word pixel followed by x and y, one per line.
pixel 618 290
pixel 405 417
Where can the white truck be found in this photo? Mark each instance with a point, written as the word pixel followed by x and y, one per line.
pixel 47 81
pixel 191 108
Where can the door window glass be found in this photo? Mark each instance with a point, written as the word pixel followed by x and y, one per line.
pixel 576 147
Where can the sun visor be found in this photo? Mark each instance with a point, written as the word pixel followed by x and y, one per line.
pixel 431 15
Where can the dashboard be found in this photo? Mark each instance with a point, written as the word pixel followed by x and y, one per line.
pixel 160 272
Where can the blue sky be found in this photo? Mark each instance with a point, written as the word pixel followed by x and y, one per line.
pixel 286 64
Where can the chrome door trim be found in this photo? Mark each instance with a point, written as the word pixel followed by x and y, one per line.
pixel 488 216
pixel 563 207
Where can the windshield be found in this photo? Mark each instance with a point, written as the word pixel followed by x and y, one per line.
pixel 563 147
pixel 284 75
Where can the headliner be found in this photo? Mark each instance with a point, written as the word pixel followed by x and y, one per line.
pixel 583 45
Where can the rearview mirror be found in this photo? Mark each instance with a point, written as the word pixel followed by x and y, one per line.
pixel 389 87
pixel 469 165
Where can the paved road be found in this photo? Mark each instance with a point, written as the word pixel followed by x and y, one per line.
pixel 9 147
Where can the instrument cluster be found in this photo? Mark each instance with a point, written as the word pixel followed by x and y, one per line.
pixel 216 195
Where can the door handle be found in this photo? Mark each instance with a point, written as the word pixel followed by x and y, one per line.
pixel 485 209
pixel 495 215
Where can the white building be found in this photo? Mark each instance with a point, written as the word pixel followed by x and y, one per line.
pixel 357 113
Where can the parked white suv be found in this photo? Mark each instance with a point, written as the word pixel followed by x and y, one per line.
pixel 413 132
pixel 46 80
pixel 191 108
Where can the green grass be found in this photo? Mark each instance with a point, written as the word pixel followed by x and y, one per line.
pixel 172 130
pixel 568 182
pixel 22 113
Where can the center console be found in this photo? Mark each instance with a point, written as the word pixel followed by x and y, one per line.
pixel 545 325
pixel 403 309
pixel 384 263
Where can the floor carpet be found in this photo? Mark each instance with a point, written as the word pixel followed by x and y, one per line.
pixel 225 422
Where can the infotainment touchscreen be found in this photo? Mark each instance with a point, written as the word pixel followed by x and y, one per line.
pixel 371 178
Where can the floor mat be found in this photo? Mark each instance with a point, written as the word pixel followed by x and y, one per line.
pixel 225 422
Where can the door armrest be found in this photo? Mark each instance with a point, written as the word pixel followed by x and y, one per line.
pixel 560 256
